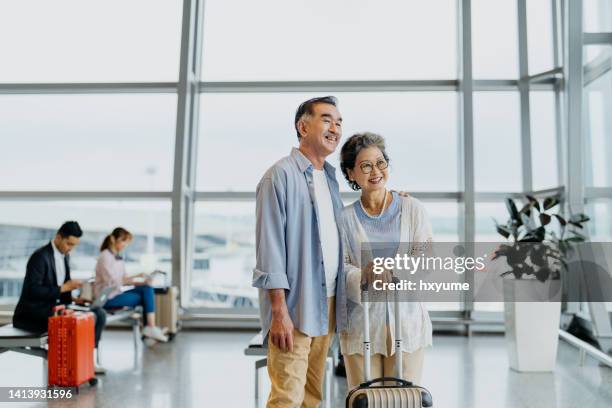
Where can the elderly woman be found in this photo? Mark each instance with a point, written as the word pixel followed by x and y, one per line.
pixel 385 217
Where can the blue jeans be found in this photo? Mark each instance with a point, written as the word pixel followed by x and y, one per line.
pixel 140 295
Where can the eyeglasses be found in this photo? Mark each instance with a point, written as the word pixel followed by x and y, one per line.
pixel 367 167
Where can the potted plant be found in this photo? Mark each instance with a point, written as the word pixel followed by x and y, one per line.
pixel 536 256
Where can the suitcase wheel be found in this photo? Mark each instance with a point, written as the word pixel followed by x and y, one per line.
pixel 93 381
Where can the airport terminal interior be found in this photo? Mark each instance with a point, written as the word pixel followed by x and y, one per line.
pixel 161 117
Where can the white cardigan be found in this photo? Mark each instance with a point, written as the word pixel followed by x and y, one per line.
pixel 415 230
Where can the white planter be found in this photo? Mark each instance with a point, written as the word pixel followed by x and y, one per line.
pixel 532 328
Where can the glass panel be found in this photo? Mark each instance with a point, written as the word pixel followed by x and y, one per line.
pixel 497 141
pixel 242 135
pixel 444 222
pixel 598 127
pixel 77 41
pixel 543 140
pixel 275 40
pixel 485 232
pixel 595 54
pixel 26 226
pixel 540 35
pixel 87 142
pixel 597 15
pixel 600 226
pixel 486 213
pixel 494 39
pixel 224 255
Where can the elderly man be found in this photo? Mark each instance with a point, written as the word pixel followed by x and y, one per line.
pixel 299 269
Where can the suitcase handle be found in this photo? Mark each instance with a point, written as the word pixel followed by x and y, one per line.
pixel 365 301
pixel 401 382
pixel 61 310
pixel 58 310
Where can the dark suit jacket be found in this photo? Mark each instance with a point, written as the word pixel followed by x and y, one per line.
pixel 41 291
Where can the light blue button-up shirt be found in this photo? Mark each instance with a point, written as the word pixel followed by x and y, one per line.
pixel 288 246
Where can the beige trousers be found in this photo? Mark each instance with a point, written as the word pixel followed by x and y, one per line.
pixel 384 366
pixel 297 377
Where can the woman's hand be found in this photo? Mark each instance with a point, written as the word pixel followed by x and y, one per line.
pixel 368 276
pixel 148 279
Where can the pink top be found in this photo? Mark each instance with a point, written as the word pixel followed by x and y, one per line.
pixel 110 271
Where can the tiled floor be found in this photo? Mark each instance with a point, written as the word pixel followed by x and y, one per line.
pixel 208 369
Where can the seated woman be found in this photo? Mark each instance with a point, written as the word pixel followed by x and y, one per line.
pixel 385 217
pixel 110 271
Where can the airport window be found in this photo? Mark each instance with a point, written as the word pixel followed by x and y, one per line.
pixel 372 41
pixel 543 140
pixel 224 255
pixel 87 142
pixel 497 140
pixel 494 39
pixel 27 225
pixel 540 35
pixel 597 15
pixel 598 147
pixel 242 135
pixel 110 41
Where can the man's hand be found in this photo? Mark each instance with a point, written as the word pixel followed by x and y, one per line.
pixel 70 285
pixel 401 193
pixel 281 327
pixel 281 330
pixel 79 300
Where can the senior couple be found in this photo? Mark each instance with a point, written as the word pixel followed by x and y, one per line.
pixel 310 260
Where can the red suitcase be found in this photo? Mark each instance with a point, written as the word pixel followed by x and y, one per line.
pixel 71 347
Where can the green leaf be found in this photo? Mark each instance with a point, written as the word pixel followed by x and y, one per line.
pixel 503 231
pixel 579 218
pixel 550 202
pixel 512 209
pixel 545 219
pixel 575 224
pixel 560 219
pixel 534 202
pixel 526 210
pixel 526 221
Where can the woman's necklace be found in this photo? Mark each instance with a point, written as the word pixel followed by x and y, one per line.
pixel 382 210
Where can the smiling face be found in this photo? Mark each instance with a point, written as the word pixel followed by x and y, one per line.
pixel 367 173
pixel 321 131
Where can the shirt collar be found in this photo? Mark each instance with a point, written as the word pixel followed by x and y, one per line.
pixel 55 250
pixel 303 163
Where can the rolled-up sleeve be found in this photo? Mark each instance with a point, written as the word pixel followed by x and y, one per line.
pixel 270 270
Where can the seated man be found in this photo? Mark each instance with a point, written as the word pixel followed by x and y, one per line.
pixel 47 283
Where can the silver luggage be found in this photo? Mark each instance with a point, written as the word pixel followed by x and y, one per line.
pixel 372 393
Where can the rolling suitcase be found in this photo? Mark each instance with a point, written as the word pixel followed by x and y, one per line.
pixel 71 346
pixel 166 309
pixel 402 395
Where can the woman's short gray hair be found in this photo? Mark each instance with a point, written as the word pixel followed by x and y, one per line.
pixel 351 148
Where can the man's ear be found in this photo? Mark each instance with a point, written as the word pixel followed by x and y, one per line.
pixel 302 127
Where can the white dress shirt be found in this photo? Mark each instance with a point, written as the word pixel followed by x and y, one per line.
pixel 60 265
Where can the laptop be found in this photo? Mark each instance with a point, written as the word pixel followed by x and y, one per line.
pixel 102 297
